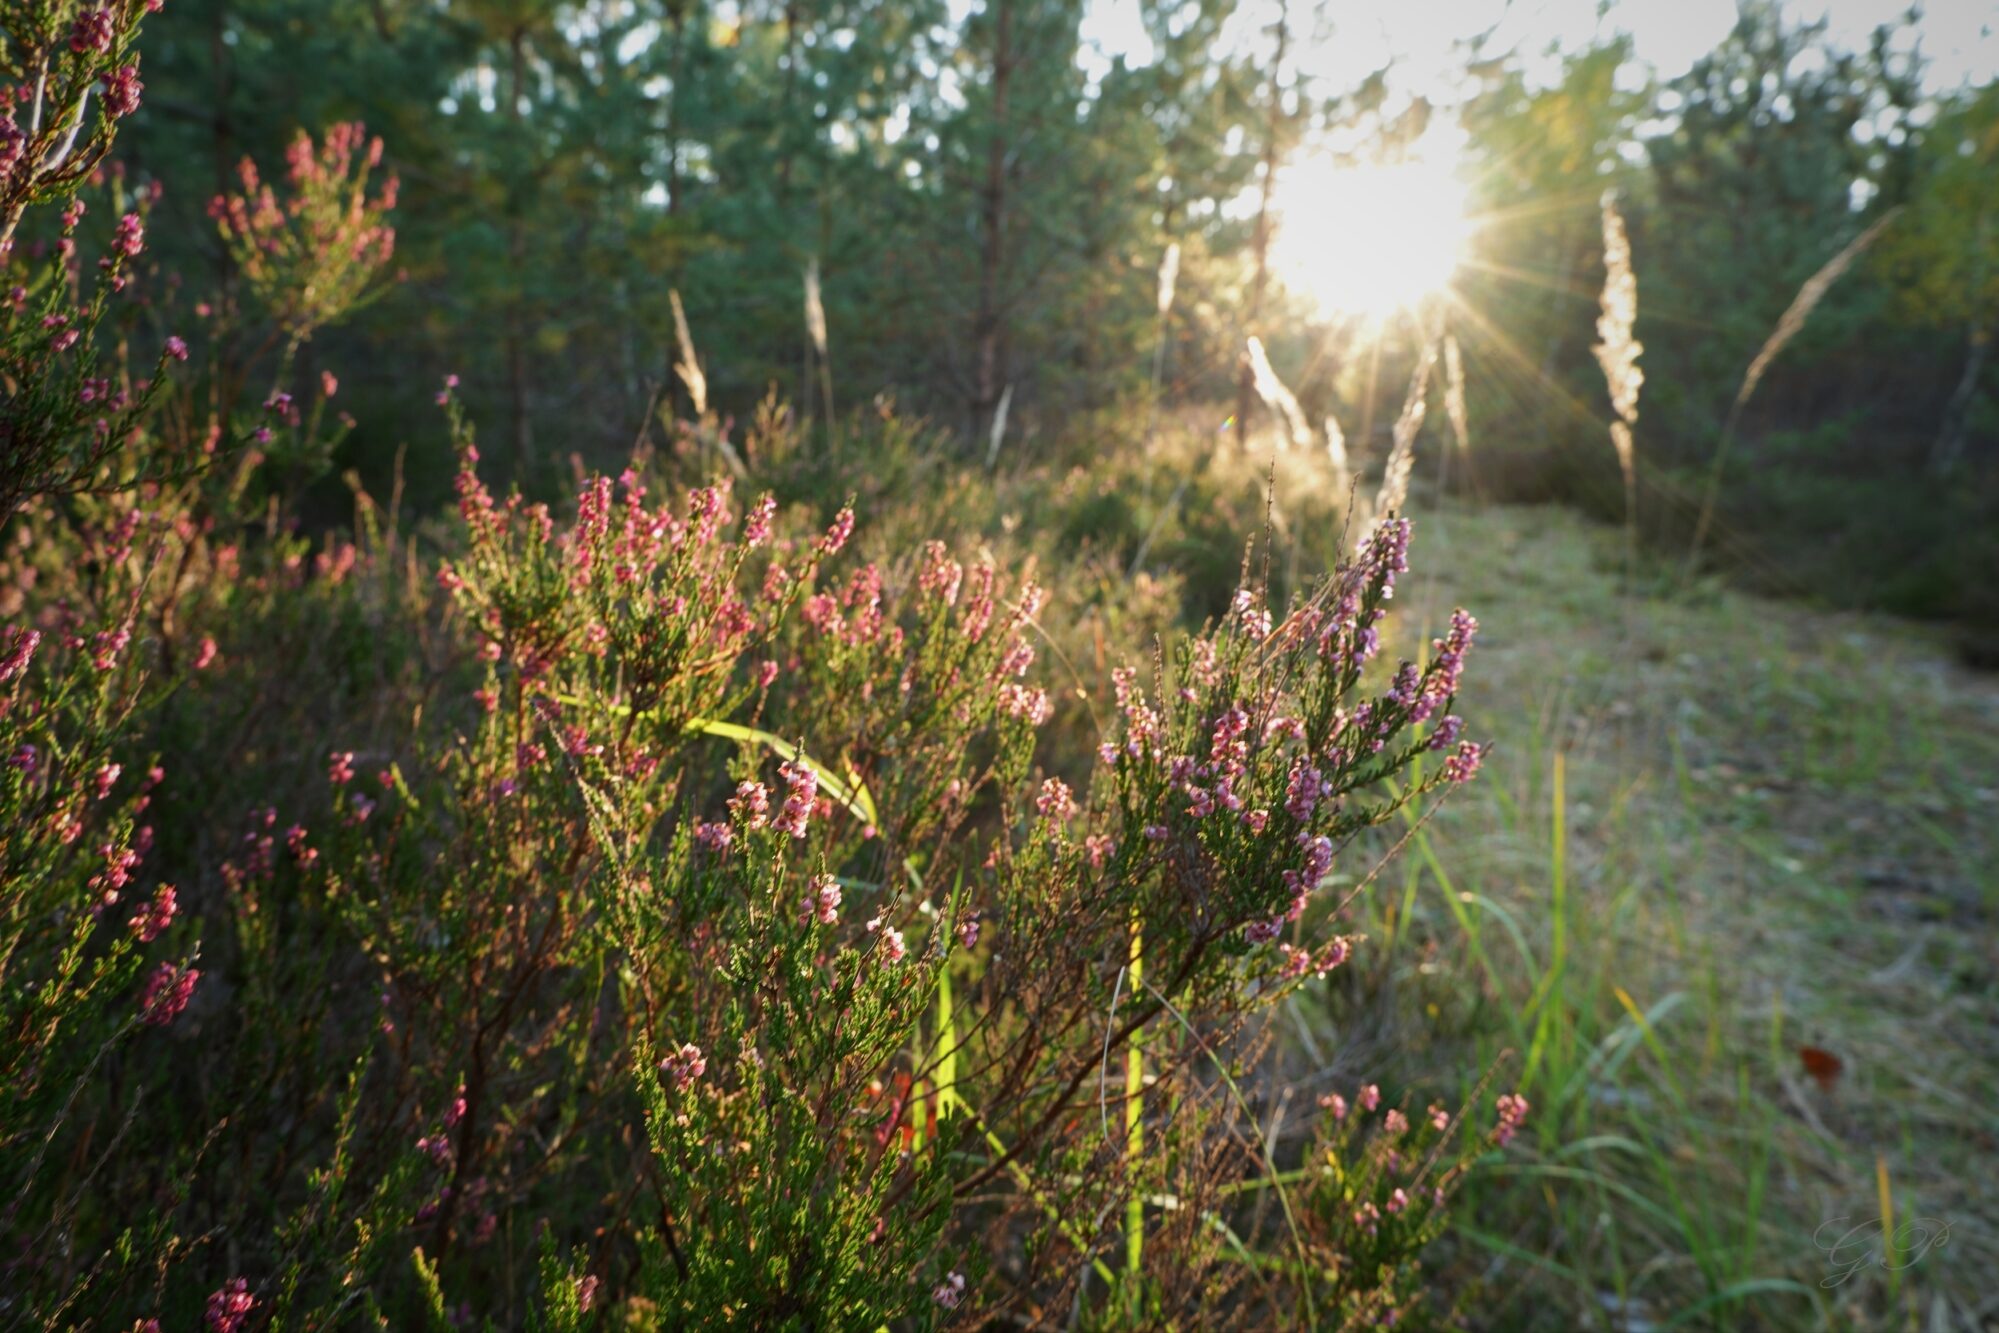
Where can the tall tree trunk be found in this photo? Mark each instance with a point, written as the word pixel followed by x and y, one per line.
pixel 677 17
pixel 1245 399
pixel 1957 412
pixel 988 322
pixel 1949 447
pixel 517 242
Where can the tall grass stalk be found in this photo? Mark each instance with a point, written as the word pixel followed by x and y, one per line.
pixel 1788 327
pixel 998 434
pixel 1278 398
pixel 688 367
pixel 1134 1136
pixel 1617 352
pixel 1394 492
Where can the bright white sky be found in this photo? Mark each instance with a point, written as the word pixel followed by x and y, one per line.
pixel 1425 37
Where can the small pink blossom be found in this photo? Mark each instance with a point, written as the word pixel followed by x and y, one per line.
pixel 152 920
pixel 684 1066
pixel 822 901
pixel 166 994
pixel 837 535
pixel 229 1308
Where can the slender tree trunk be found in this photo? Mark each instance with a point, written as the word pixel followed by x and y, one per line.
pixel 1949 447
pixel 516 348
pixel 1245 400
pixel 988 323
pixel 677 17
pixel 1957 412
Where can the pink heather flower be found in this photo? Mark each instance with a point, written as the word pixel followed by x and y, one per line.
pixel 1029 703
pixel 129 237
pixel 1335 1105
pixel 684 1066
pixel 822 901
pixel 1395 1124
pixel 968 930
pixel 107 777
pixel 328 384
pixel 756 524
pixel 941 574
pixel 1302 791
pixel 19 647
pixel 109 644
pixel 837 535
pixel 121 90
pixel 715 837
pixel 1099 848
pixel 1440 1119
pixel 340 767
pixel 751 804
pixel 950 1291
pixel 92 32
pixel 892 948
pixel 166 994
pixel 1398 1201
pixel 1445 734
pixel 1463 765
pixel 229 1308
pixel 586 1291
pixel 1370 1097
pixel 803 785
pixel 1018 658
pixel 204 654
pixel 1255 620
pixel 152 920
pixel 1367 1217
pixel 1297 962
pixel 1055 801
pixel 765 674
pixel 1513 1110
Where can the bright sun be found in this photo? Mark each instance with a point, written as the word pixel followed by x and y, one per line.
pixel 1369 240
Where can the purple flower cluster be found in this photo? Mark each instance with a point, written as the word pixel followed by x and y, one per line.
pixel 802 793
pixel 1513 1110
pixel 229 1308
pixel 166 994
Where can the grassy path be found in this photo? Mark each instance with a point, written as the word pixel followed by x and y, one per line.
pixel 1717 831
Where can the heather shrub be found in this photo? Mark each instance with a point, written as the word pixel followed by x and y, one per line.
pixel 659 908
